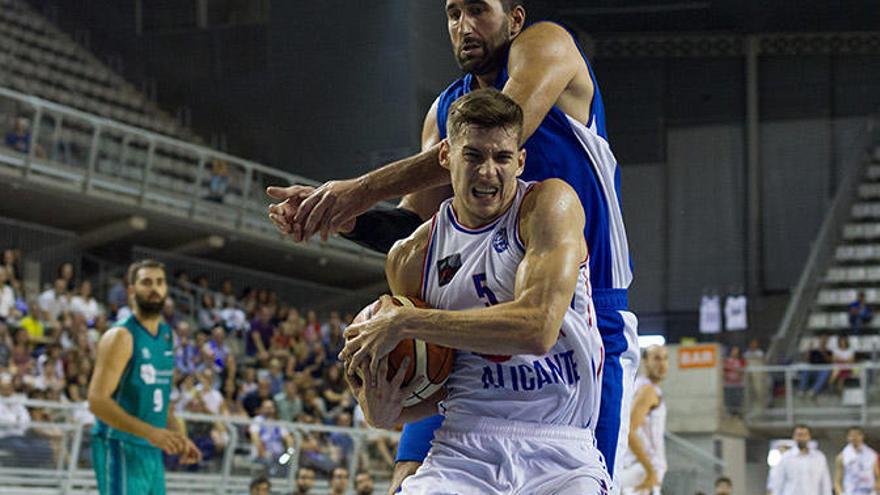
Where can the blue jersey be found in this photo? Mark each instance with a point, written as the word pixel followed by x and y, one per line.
pixel 563 148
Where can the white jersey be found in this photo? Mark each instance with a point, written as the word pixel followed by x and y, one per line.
pixel 858 470
pixel 470 268
pixel 652 432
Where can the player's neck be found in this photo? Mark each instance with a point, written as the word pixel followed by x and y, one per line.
pixel 486 80
pixel 466 219
pixel 149 322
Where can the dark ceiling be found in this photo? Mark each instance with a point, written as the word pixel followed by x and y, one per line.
pixel 740 16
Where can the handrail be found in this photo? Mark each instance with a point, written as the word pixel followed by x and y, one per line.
pixel 693 449
pixel 804 293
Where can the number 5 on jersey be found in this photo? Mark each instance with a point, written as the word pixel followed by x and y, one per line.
pixel 483 290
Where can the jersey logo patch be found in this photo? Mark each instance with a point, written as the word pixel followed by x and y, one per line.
pixel 499 242
pixel 447 268
pixel 148 374
pixel 146 353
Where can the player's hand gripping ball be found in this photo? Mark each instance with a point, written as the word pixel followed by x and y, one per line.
pixel 429 364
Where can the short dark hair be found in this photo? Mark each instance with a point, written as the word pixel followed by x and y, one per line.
pixel 508 5
pixel 801 425
pixel 487 108
pixel 131 277
pixel 723 479
pixel 259 480
pixel 855 428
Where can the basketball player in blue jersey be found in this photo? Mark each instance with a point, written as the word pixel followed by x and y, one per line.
pixel 542 68
pixel 504 264
pixel 130 390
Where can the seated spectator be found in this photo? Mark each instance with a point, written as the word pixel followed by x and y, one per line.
pixel 54 301
pixel 52 356
pixel 248 381
pixel 269 441
pixel 288 402
pixel 313 404
pixel 84 303
pixel 276 376
pixel 336 394
pixel 234 319
pixel 78 387
pixel 32 323
pixel 843 355
pixel 117 297
pixel 210 396
pixel 15 440
pixel 11 262
pixel 217 352
pixel 341 444
pixel 314 450
pixel 170 313
pixel 334 340
pixel 208 316
pixel 19 137
pixel 339 481
pixel 363 483
pixel 305 481
pixel 7 297
pixel 860 314
pixel 210 438
pixel 201 360
pixel 184 350
pixel 22 354
pixel 253 400
pixel 260 335
pixel 260 486
pixel 818 378
pixel 219 180
pixel 6 346
pixel 312 329
pixel 379 453
pixel 65 271
pixel 231 401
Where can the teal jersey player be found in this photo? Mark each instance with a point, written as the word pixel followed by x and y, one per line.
pixel 130 391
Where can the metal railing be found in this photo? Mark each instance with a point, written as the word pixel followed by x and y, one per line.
pixel 53 454
pixel 804 294
pixel 822 395
pixel 691 469
pixel 102 158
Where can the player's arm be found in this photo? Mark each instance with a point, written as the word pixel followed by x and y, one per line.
pixel 551 227
pixel 190 454
pixel 825 478
pixel 114 353
pixel 645 400
pixel 877 474
pixel 838 474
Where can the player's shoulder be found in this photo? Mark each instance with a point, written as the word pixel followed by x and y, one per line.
pixel 549 196
pixel 118 339
pixel 409 251
pixel 545 36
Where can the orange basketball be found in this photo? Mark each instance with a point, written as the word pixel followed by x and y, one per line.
pixel 429 364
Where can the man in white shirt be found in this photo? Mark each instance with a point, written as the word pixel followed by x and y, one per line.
pixel 802 471
pixel 55 300
pixel 84 303
pixel 856 471
pixel 7 296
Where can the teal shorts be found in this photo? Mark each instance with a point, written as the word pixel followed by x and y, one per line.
pixel 124 468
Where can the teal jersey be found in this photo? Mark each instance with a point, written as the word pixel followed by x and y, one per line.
pixel 144 388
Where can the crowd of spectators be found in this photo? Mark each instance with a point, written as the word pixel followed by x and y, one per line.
pixel 238 353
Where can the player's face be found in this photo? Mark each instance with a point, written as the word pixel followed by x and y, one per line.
pixel 479 31
pixel 855 437
pixel 150 291
pixel 657 363
pixel 483 164
pixel 802 437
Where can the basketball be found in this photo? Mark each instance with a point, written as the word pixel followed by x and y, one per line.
pixel 429 364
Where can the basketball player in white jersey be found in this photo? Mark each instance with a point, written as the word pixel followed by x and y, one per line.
pixel 505 264
pixel 645 463
pixel 856 471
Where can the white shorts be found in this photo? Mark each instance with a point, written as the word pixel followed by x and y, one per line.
pixel 632 476
pixel 629 362
pixel 473 455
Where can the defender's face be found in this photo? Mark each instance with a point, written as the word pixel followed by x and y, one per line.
pixel 657 363
pixel 483 164
pixel 479 31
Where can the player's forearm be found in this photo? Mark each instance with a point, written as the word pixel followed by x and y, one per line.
pixel 507 329
pixel 635 446
pixel 108 411
pixel 414 173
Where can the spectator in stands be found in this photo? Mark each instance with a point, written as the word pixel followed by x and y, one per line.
pixel 818 378
pixel 363 483
pixel 312 330
pixel 260 486
pixel 184 351
pixel 734 365
pixel 11 262
pixel 65 271
pixel 219 180
pixel 14 421
pixel 336 394
pixel 7 296
pixel 211 397
pixel 305 481
pixel 218 354
pixel 255 399
pixel 757 385
pixel 860 313
pixel 200 360
pixel 84 303
pixel 234 319
pixel 842 356
pixel 19 137
pixel 209 437
pixel 208 315
pixel 170 313
pixel 54 301
pixel 260 335
pixel 288 402
pixel 339 481
pixel 269 441
pixel 32 323
pixel 276 376
pixel 723 486
pixel 334 340
pixel 117 296
pixel 6 346
pixel 341 444
pixel 78 387
pixel 22 354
